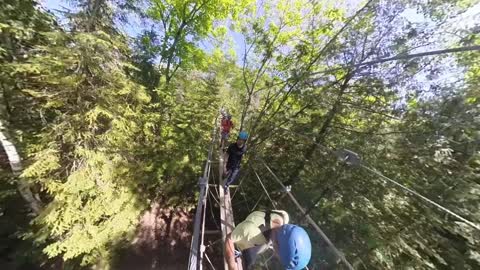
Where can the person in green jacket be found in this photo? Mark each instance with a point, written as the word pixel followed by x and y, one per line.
pixel 262 229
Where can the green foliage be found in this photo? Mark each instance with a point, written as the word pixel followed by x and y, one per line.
pixel 182 24
pixel 87 160
pixel 105 129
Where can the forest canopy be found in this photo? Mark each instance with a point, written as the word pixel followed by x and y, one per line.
pixel 110 105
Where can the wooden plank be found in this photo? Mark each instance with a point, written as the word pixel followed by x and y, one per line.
pixel 223 223
pixel 226 214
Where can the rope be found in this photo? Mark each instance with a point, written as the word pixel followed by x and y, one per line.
pixel 240 181
pixel 196 247
pixel 259 199
pixel 245 198
pixel 210 262
pixel 213 196
pixel 213 243
pixel 310 220
pixel 264 189
pixel 204 199
pixel 214 178
pixel 211 212
pixel 411 191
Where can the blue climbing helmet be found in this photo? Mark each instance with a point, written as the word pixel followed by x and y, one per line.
pixel 294 247
pixel 243 135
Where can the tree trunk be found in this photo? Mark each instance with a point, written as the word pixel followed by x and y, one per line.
pixel 319 138
pixel 16 166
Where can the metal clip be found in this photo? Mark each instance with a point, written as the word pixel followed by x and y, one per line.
pixel 349 157
pixel 237 254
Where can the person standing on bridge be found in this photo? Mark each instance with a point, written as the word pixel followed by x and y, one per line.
pixel 233 158
pixel 227 125
pixel 254 235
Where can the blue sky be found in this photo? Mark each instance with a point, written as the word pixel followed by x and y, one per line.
pixel 135 26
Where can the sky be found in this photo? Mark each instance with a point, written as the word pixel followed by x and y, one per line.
pixel 135 26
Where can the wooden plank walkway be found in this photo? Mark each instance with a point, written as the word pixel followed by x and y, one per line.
pixel 226 213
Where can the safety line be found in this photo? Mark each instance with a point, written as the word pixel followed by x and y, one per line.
pixel 214 242
pixel 197 245
pixel 240 181
pixel 264 189
pixel 244 197
pixel 213 195
pixel 310 219
pixel 211 212
pixel 214 180
pixel 259 199
pixel 210 262
pixel 204 200
pixel 409 190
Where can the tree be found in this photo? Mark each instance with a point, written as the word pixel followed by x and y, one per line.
pixel 182 24
pixel 106 125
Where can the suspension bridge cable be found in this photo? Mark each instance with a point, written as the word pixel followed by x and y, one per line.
pixel 204 199
pixel 244 197
pixel 210 262
pixel 204 212
pixel 259 199
pixel 240 181
pixel 239 187
pixel 408 190
pixel 214 180
pixel 211 212
pixel 197 245
pixel 214 242
pixel 310 219
pixel 411 191
pixel 213 196
pixel 264 189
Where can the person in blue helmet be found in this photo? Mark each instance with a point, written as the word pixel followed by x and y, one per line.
pixel 262 229
pixel 233 157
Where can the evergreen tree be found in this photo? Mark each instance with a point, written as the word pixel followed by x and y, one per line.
pixel 107 126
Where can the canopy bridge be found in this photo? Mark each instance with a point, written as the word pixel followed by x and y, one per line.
pixel 349 158
pixel 227 224
pixel 226 212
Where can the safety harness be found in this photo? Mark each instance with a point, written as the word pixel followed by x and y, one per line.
pixel 266 229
